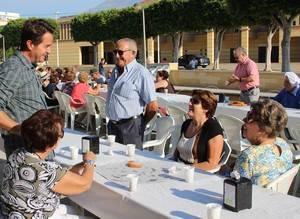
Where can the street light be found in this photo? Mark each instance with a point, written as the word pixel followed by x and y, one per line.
pixel 57 52
pixel 144 38
pixel 3 45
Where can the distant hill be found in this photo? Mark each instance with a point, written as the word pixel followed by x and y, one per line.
pixel 110 4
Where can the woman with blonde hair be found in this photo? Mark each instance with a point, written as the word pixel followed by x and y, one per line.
pixel 80 89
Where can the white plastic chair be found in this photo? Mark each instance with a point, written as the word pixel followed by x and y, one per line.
pixel 91 111
pixel 164 128
pixel 232 130
pixel 150 127
pixel 62 107
pixel 100 104
pixel 50 98
pixel 177 113
pixel 70 110
pixel 283 182
pixel 224 157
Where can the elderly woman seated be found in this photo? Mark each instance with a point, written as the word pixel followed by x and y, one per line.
pixel 201 140
pixel 289 96
pixel 269 156
pixel 163 83
pixel 80 89
pixel 32 186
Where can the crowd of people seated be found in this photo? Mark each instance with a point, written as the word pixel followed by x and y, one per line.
pixel 72 82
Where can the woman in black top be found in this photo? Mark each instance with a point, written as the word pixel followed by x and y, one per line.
pixel 201 140
pixel 163 83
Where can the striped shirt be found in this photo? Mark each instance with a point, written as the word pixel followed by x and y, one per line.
pixel 129 93
pixel 20 88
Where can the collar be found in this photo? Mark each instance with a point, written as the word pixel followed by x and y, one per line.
pixel 246 60
pixel 24 60
pixel 130 65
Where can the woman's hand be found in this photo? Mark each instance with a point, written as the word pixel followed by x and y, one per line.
pixel 89 156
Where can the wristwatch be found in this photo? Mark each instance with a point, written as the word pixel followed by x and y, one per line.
pixel 90 162
pixel 240 79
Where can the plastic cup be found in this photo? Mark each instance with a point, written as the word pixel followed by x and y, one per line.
pixel 131 150
pixel 111 139
pixel 189 174
pixel 213 211
pixel 166 91
pixel 133 181
pixel 226 99
pixel 172 170
pixel 74 152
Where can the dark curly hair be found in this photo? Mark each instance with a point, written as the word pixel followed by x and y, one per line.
pixel 208 101
pixel 34 30
pixel 41 130
pixel 270 116
pixel 164 74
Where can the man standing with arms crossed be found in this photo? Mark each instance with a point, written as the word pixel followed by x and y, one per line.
pixel 131 89
pixel 246 73
pixel 20 88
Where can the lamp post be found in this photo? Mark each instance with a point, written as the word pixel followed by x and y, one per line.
pixel 144 39
pixel 57 52
pixel 3 46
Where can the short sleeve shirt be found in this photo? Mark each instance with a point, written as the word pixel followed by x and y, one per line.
pixel 129 92
pixel 246 69
pixel 262 164
pixel 26 187
pixel 289 99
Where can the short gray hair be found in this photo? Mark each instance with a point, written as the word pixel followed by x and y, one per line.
pixel 240 50
pixel 131 43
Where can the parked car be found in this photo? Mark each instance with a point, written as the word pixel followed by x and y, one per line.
pixel 185 61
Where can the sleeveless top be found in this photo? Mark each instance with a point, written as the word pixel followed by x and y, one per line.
pixel 210 129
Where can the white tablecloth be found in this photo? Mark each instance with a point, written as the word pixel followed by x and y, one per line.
pixel 164 196
pixel 182 101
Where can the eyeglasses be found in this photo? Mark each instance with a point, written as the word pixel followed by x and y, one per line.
pixel 195 101
pixel 120 52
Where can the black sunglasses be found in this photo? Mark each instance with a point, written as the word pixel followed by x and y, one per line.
pixel 195 101
pixel 120 52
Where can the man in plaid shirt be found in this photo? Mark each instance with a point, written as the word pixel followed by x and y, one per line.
pixel 20 88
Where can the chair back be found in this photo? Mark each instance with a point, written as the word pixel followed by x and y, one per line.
pixel 90 104
pixel 162 102
pixel 150 126
pixel 66 99
pixel 283 182
pixel 100 104
pixel 164 129
pixel 232 131
pixel 177 113
pixel 295 132
pixel 226 153
pixel 57 94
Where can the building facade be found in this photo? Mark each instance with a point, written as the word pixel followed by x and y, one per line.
pixel 254 39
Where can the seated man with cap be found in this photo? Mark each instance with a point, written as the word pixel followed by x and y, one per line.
pixel 289 96
pixel 48 89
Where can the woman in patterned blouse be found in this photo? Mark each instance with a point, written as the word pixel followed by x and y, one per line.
pixel 32 186
pixel 269 156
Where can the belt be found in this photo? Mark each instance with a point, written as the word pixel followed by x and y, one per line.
pixel 250 89
pixel 122 121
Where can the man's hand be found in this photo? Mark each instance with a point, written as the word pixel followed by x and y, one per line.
pixel 233 78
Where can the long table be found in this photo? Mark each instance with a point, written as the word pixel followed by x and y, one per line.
pixel 240 112
pixel 159 194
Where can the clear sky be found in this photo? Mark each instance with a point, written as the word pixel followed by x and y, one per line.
pixel 47 8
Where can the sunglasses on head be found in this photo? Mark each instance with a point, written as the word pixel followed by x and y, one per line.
pixel 195 101
pixel 120 52
pixel 250 117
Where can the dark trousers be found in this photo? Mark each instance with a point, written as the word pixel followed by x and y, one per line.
pixel 129 132
pixel 11 143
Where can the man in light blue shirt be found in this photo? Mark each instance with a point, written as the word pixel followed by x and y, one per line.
pixel 131 91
